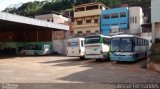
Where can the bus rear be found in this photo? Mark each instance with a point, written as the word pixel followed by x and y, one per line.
pixel 75 47
pixel 94 47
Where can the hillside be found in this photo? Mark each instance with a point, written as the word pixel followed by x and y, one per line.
pixel 39 7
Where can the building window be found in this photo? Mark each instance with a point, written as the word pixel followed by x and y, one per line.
pixel 88 31
pixel 106 25
pixel 114 15
pixel 95 20
pixel 114 24
pixel 123 23
pixel 52 20
pixel 96 31
pixel 79 32
pixel 106 16
pixel 80 9
pixel 92 7
pixel 132 19
pixel 48 20
pixel 88 21
pixel 135 19
pixel 100 7
pixel 123 14
pixel 79 22
pixel 146 30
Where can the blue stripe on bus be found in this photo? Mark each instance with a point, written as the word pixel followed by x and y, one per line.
pixel 133 57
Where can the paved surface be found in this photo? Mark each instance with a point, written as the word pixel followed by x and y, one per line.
pixel 58 70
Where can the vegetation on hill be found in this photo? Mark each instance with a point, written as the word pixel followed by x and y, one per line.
pixel 39 7
pixel 155 52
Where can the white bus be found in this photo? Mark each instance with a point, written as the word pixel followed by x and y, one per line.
pixel 97 47
pixel 75 47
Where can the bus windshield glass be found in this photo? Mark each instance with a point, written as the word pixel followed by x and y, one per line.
pixel 92 39
pixel 73 43
pixel 121 44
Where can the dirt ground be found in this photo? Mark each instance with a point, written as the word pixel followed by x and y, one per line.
pixel 63 72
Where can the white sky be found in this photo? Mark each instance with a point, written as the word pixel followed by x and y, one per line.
pixel 6 3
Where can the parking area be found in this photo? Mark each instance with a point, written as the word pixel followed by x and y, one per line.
pixel 60 69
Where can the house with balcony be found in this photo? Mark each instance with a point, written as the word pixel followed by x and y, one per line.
pixel 114 20
pixel 87 18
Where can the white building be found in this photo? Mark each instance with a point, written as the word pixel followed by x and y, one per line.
pixel 135 20
pixel 155 19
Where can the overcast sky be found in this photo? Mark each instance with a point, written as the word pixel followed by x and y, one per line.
pixel 6 3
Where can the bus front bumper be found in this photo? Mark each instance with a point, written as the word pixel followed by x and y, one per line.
pixel 128 58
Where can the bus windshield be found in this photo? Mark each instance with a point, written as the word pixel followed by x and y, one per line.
pixel 73 43
pixel 92 39
pixel 121 44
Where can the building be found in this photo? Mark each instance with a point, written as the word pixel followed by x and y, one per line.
pixel 147 32
pixel 155 19
pixel 18 31
pixel 87 18
pixel 114 20
pixel 55 19
pixel 58 36
pixel 135 20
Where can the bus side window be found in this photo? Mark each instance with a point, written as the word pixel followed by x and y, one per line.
pixel 106 41
pixel 138 42
pixel 135 42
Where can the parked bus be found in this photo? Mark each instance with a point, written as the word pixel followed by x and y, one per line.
pixel 75 47
pixel 35 50
pixel 128 48
pixel 97 47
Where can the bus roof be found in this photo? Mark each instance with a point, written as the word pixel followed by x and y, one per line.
pixel 124 35
pixel 98 35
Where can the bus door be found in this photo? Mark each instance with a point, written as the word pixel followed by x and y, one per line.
pixel 82 47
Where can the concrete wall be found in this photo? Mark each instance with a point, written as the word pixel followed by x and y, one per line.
pixel 157 30
pixel 135 19
pixel 52 18
pixel 59 46
pixel 155 11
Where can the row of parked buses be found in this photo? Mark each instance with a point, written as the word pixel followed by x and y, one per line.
pixel 115 48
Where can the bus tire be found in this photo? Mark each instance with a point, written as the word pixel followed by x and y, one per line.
pixel 81 58
pixel 98 59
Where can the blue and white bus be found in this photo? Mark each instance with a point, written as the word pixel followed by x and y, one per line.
pixel 128 48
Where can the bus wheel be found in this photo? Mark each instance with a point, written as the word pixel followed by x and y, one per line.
pixel 24 53
pixel 119 61
pixel 81 58
pixel 98 59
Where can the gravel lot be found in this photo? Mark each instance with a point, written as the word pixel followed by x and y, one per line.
pixel 60 71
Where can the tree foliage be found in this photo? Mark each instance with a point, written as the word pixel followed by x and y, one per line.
pixel 39 7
